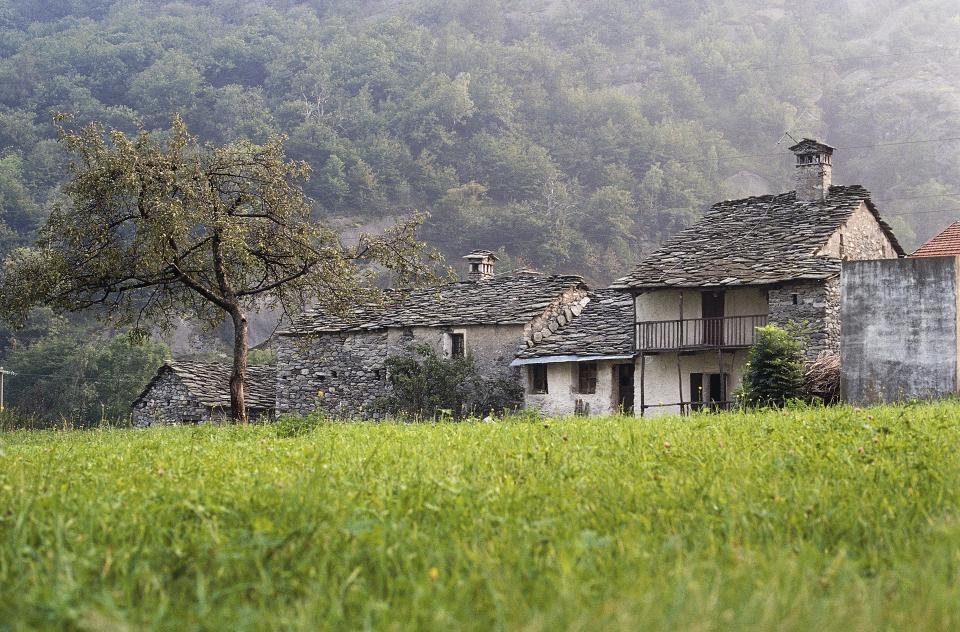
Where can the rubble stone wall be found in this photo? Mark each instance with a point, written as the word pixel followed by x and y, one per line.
pixel 344 374
pixel 168 401
pixel 814 304
pixel 339 374
pixel 860 238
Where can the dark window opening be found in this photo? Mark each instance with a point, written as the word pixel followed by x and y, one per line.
pixel 708 391
pixel 537 375
pixel 458 347
pixel 587 378
pixel 796 299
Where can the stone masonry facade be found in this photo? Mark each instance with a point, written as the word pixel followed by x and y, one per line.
pixel 340 374
pixel 813 304
pixel 168 400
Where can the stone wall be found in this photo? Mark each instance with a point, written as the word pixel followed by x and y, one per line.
pixel 815 304
pixel 560 313
pixel 340 374
pixel 860 238
pixel 168 401
pixel 344 374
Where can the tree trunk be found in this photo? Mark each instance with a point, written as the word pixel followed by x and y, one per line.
pixel 238 406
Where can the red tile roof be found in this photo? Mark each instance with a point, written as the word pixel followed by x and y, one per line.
pixel 946 244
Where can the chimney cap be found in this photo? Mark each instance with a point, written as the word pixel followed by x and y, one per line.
pixel 481 254
pixel 811 146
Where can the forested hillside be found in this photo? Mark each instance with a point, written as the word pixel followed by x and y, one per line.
pixel 573 134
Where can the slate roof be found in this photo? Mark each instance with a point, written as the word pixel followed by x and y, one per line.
pixel 754 241
pixel 209 382
pixel 604 328
pixel 945 244
pixel 503 300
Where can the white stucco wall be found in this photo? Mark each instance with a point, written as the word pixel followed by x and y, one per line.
pixel 561 398
pixel 491 345
pixel 659 379
pixel 665 304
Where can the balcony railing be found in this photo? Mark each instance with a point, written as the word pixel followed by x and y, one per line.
pixel 692 334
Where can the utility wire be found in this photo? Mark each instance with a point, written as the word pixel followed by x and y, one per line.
pixel 783 153
pixel 813 62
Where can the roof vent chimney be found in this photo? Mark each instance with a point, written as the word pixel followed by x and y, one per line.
pixel 481 265
pixel 814 170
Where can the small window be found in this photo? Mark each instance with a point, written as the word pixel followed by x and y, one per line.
pixel 537 375
pixel 796 299
pixel 587 378
pixel 458 347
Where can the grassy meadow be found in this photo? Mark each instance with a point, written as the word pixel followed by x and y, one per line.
pixel 797 520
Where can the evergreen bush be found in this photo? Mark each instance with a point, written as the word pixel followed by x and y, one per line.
pixel 775 369
pixel 427 386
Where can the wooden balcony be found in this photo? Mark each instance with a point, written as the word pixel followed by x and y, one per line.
pixel 698 334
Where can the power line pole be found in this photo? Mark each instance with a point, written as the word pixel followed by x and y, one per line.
pixel 3 374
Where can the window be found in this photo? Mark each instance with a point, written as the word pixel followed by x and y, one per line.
pixel 795 298
pixel 458 347
pixel 587 378
pixel 537 377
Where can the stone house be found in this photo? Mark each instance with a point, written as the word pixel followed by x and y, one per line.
pixel 337 364
pixel 196 392
pixel 699 298
pixel 587 368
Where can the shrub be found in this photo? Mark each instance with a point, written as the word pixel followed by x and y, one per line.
pixel 426 386
pixel 775 369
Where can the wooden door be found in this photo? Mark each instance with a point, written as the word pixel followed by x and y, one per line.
pixel 713 308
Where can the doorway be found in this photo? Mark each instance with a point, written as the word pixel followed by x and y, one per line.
pixel 713 305
pixel 708 391
pixel 623 378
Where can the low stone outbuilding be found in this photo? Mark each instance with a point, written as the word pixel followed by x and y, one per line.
pixel 337 365
pixel 587 368
pixel 196 392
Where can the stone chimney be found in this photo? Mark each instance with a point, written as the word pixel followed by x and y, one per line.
pixel 814 170
pixel 481 265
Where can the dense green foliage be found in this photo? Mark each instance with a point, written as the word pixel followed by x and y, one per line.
pixel 775 365
pixel 573 134
pixel 67 376
pixel 427 386
pixel 824 519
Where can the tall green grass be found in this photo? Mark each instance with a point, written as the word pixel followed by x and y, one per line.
pixel 800 520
